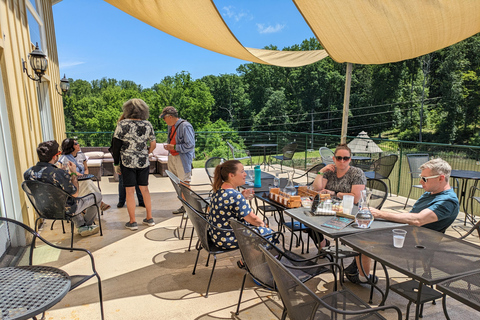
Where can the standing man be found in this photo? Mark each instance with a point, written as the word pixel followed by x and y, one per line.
pixel 46 171
pixel 181 147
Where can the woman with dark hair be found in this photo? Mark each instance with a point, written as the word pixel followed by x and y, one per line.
pixel 133 140
pixel 71 153
pixel 227 203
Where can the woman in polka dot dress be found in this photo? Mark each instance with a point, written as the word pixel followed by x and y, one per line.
pixel 227 203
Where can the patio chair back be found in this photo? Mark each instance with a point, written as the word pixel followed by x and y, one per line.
pixel 301 303
pixel 311 173
pixel 194 199
pixel 50 203
pixel 382 168
pixel 210 166
pixel 326 155
pixel 415 160
pixel 21 235
pixel 379 191
pixel 236 153
pixel 288 152
pixel 175 182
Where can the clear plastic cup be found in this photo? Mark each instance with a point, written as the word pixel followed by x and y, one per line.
pixel 399 237
pixel 347 204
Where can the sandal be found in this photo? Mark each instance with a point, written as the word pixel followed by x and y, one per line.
pixel 104 206
pixel 240 264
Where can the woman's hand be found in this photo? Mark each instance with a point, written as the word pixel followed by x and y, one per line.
pixel 328 167
pixel 248 193
pixel 330 192
pixel 72 167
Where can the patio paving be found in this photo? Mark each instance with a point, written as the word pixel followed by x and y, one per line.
pixel 147 274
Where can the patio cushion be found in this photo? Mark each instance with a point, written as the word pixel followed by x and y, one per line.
pixel 94 155
pixel 160 150
pixel 94 163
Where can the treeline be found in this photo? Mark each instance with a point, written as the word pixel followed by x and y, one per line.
pixel 441 88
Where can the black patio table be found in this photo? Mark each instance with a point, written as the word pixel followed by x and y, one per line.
pixel 27 291
pixel 265 146
pixel 465 289
pixel 465 175
pixel 428 257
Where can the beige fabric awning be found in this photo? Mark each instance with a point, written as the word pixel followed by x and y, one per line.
pixel 199 22
pixel 379 31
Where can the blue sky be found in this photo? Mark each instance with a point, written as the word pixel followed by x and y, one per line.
pixel 96 40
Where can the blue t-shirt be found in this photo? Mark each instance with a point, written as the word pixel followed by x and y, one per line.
pixel 444 204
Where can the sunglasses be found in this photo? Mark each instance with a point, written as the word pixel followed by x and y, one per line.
pixel 58 153
pixel 76 143
pixel 424 179
pixel 342 158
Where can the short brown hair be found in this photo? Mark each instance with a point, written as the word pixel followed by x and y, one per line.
pixel 47 150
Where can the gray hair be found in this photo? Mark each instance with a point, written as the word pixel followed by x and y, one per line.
pixel 438 166
pixel 135 109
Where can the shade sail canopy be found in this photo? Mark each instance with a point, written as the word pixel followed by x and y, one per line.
pixel 379 31
pixel 199 22
pixel 363 144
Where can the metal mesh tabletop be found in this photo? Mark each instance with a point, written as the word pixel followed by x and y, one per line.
pixel 30 290
pixel 465 289
pixel 427 256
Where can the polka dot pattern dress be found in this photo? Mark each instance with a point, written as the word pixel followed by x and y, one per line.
pixel 226 204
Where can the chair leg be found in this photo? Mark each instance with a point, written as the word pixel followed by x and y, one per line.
pixel 99 221
pixel 241 292
pixel 184 229
pixel 191 238
pixel 71 238
pixel 211 274
pixel 100 295
pixel 408 197
pixel 389 186
pixel 196 260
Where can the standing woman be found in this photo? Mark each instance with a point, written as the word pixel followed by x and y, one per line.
pixel 227 203
pixel 133 140
pixel 71 153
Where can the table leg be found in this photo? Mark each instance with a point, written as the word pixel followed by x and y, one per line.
pixel 444 305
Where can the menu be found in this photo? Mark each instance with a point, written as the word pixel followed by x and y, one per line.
pixel 338 223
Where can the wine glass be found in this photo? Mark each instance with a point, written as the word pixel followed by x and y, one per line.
pixel 249 178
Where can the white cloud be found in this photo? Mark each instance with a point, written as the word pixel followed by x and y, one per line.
pixel 231 13
pixel 70 64
pixel 269 29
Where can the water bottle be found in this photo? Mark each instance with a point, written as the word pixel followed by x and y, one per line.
pixel 364 217
pixel 276 181
pixel 258 177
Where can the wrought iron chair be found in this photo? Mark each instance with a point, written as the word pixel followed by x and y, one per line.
pixel 22 235
pixel 415 160
pixel 50 201
pixel 301 303
pixel 382 168
pixel 255 265
pixel 210 166
pixel 288 152
pixel 311 173
pixel 201 225
pixel 326 155
pixel 379 192
pixel 237 152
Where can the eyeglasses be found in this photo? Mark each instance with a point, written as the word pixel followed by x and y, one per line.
pixel 424 179
pixel 342 158
pixel 76 143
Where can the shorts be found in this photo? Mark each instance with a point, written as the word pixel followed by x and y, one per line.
pixel 135 176
pixel 176 167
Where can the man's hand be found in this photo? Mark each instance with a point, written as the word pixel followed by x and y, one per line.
pixel 375 212
pixel 72 167
pixel 117 169
pixel 169 146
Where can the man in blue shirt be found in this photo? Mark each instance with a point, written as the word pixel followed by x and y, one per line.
pixel 436 209
pixel 181 146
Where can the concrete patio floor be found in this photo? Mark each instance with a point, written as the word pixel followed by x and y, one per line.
pixel 147 274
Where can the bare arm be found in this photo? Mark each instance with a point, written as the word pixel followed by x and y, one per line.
pixel 355 192
pixel 86 167
pixel 72 168
pixel 416 219
pixel 153 145
pixel 320 182
pixel 254 220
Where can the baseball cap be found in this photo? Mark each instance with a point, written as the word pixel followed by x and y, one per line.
pixel 169 111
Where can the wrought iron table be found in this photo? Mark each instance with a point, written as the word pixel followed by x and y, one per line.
pixel 265 146
pixel 465 175
pixel 465 289
pixel 428 257
pixel 30 290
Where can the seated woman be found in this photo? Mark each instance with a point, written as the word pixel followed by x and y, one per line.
pixel 227 203
pixel 340 179
pixel 71 152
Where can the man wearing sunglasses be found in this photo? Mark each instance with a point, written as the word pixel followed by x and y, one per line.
pixel 46 171
pixel 436 209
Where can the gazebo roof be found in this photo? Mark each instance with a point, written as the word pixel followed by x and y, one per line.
pixel 363 144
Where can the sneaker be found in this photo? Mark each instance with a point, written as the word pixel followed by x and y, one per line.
pixel 141 204
pixel 88 230
pixel 179 210
pixel 132 226
pixel 120 204
pixel 150 222
pixel 352 268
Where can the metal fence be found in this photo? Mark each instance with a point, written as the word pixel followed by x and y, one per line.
pixel 209 144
